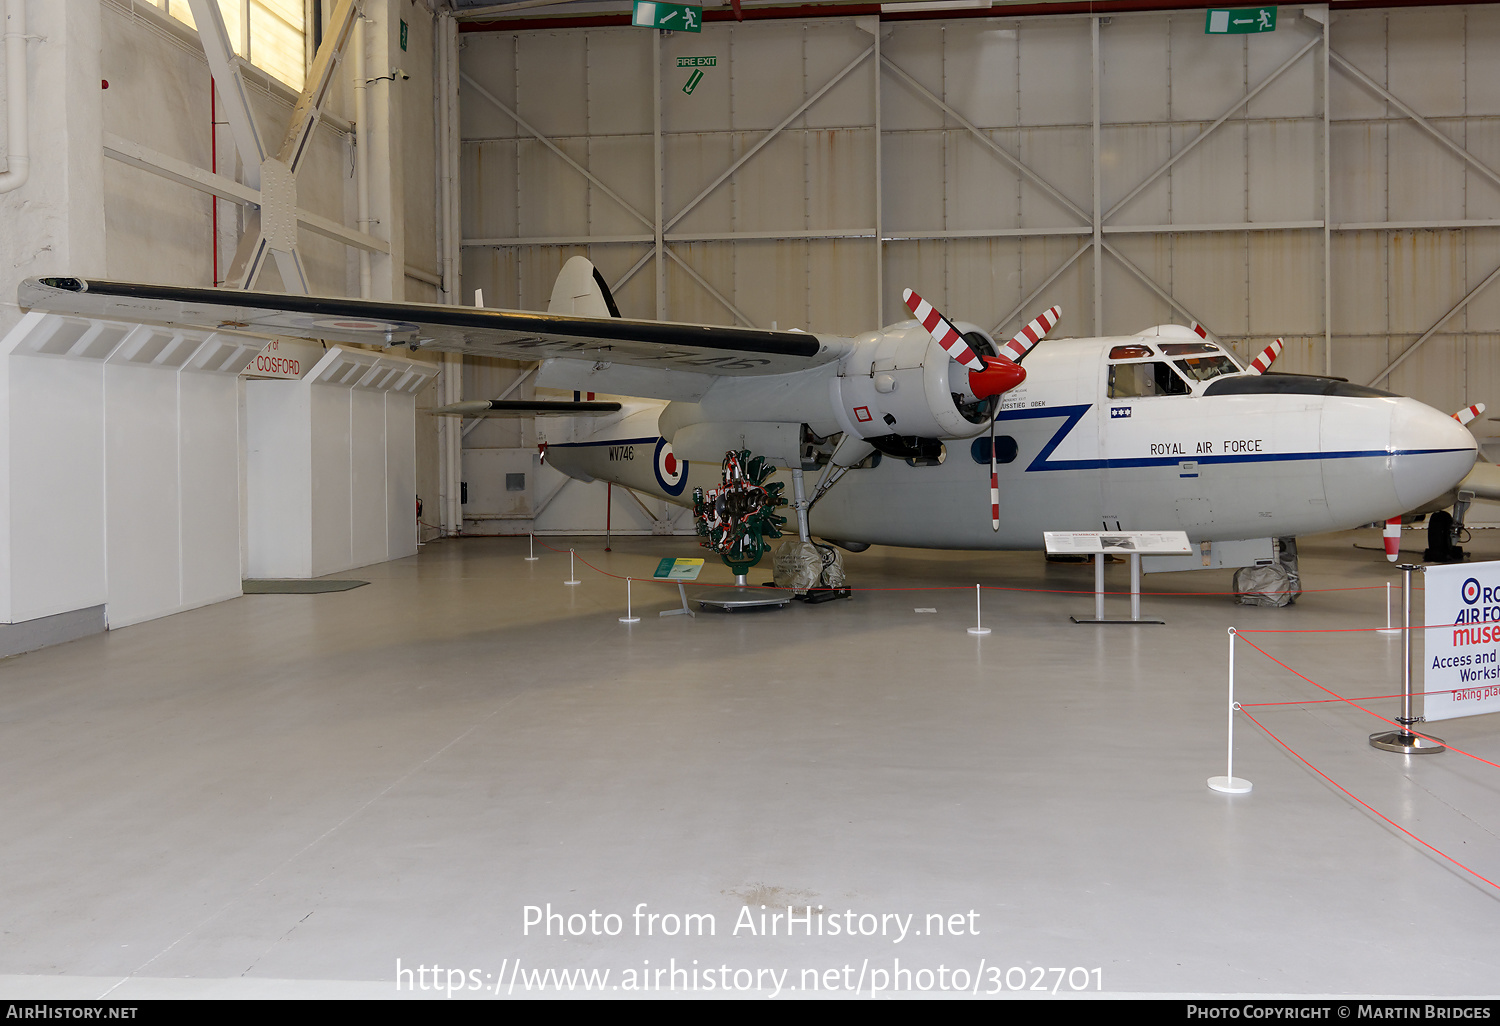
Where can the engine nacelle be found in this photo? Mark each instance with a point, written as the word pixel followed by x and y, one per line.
pixel 896 385
pixel 900 382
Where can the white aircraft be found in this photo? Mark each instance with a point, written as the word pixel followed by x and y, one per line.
pixel 1161 430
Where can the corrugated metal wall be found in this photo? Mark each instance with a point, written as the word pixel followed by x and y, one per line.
pixel 1007 164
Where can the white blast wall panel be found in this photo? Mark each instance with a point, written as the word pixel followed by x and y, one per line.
pixel 332 515
pixel 140 460
pixel 134 462
pixel 370 507
pixel 208 408
pixel 52 531
pixel 278 456
pixel 332 465
pixel 401 473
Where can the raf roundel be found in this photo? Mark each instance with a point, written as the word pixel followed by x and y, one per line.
pixel 671 472
pixel 359 324
pixel 1471 591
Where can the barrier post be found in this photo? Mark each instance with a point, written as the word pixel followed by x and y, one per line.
pixel 1098 586
pixel 531 546
pixel 628 618
pixel 979 627
pixel 1229 783
pixel 572 574
pixel 1388 629
pixel 1403 741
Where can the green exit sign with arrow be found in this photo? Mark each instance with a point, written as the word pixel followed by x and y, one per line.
pixel 1241 20
pixel 671 17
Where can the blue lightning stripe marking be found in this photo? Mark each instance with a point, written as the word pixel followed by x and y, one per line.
pixel 606 441
pixel 1074 414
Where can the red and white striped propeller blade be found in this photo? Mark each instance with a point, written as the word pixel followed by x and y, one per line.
pixel 1027 338
pixel 1468 413
pixel 1393 539
pixel 1266 357
pixel 1201 330
pixel 945 334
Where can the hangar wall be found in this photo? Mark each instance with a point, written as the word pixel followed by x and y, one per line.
pixel 122 133
pixel 1334 182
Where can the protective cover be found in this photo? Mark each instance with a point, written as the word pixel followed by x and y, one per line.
pixel 1277 584
pixel 801 566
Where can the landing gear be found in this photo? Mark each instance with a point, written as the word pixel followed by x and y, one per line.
pixel 1442 539
pixel 1271 584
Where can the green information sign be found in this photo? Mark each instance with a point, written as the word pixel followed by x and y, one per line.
pixel 697 62
pixel 680 569
pixel 674 17
pixel 1240 20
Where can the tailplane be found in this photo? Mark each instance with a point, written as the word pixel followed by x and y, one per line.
pixel 580 291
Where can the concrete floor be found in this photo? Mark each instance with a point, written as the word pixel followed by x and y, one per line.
pixel 285 795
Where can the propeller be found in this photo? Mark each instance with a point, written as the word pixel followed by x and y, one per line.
pixel 1266 357
pixel 1468 413
pixel 1263 359
pixel 988 375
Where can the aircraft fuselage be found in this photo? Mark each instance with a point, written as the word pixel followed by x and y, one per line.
pixel 1092 439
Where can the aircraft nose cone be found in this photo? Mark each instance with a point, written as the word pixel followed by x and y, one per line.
pixel 1430 453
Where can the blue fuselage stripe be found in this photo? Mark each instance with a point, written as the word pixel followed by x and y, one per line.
pixel 1074 414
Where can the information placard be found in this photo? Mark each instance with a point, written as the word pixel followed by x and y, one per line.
pixel 1144 543
pixel 1462 651
pixel 680 569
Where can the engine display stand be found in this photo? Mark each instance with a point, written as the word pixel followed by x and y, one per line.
pixel 742 596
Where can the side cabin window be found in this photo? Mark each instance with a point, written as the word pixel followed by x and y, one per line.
pixel 1134 380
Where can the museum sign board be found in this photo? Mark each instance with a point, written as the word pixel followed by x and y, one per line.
pixel 1462 652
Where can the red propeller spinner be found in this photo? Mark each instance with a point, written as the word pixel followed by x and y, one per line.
pixel 988 375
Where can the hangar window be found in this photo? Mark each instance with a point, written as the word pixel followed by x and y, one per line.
pixel 271 34
pixel 1133 380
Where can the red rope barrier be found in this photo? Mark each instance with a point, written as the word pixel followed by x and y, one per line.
pixel 1367 805
pixel 1330 701
pixel 987 587
pixel 1341 698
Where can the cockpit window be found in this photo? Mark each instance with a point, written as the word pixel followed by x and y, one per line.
pixel 1130 352
pixel 1132 380
pixel 1205 368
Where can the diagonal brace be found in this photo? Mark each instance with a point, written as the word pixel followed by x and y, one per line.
pixel 1475 291
pixel 1023 304
pixel 526 127
pixel 1422 122
pixel 738 314
pixel 752 151
pixel 1201 136
pixel 1146 280
pixel 999 151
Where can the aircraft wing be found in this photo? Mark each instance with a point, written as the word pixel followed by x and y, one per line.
pixel 684 358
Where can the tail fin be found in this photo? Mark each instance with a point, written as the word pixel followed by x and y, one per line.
pixel 581 291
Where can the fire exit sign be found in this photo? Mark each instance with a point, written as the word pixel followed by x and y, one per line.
pixel 672 17
pixel 1240 20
